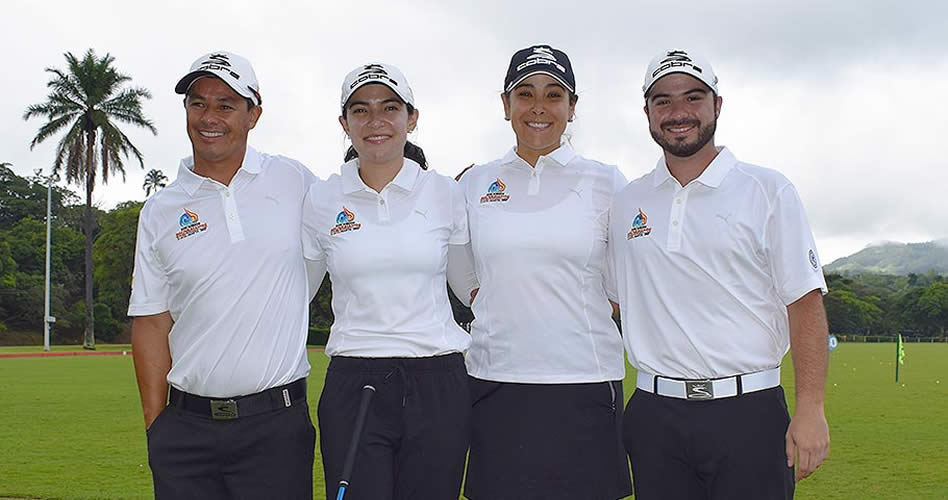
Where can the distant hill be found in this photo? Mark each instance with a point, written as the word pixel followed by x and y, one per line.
pixel 895 258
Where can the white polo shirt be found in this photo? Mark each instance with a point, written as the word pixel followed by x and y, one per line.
pixel 538 236
pixel 386 254
pixel 705 272
pixel 226 262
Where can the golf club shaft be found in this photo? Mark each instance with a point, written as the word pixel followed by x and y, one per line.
pixel 367 392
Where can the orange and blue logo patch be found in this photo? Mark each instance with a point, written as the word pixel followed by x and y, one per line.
pixel 345 221
pixel 639 226
pixel 190 224
pixel 496 192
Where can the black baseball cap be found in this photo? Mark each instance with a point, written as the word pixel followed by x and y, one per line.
pixel 540 59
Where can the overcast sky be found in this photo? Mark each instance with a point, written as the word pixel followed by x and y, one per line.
pixel 849 101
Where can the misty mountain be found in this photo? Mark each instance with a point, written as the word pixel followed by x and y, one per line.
pixel 895 258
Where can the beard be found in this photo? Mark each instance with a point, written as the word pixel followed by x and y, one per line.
pixel 684 149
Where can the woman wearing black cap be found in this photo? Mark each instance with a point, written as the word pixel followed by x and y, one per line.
pixel 545 362
pixel 382 227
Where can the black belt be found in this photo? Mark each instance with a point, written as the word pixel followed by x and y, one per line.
pixel 271 399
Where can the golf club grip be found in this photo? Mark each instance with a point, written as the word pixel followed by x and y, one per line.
pixel 367 392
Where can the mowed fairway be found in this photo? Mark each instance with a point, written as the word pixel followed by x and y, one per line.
pixel 71 428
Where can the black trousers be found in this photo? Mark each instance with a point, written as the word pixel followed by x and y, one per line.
pixel 731 448
pixel 268 455
pixel 416 434
pixel 547 442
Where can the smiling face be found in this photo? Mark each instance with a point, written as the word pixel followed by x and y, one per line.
pixel 218 123
pixel 682 114
pixel 538 109
pixel 378 122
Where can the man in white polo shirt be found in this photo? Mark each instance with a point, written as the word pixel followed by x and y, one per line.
pixel 717 275
pixel 219 297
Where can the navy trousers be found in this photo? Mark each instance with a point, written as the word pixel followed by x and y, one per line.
pixel 268 455
pixel 731 448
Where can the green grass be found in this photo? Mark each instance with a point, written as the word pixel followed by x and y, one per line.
pixel 71 427
pixel 17 349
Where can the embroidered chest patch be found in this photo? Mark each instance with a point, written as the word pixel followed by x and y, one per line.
pixel 190 225
pixel 496 192
pixel 345 222
pixel 639 226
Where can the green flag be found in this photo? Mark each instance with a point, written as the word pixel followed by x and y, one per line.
pixel 901 351
pixel 899 357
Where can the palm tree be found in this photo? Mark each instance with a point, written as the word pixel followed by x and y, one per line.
pixel 87 100
pixel 154 180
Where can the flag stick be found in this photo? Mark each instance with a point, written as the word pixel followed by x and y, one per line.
pixel 897 346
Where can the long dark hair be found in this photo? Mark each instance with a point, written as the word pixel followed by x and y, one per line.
pixel 412 152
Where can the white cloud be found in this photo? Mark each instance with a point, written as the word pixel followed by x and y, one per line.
pixel 843 97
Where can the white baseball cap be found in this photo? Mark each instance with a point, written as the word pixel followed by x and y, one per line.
pixel 234 70
pixel 680 61
pixel 386 74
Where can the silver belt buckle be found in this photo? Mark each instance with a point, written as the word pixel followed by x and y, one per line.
pixel 224 410
pixel 699 389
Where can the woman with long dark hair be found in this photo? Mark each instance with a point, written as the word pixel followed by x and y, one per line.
pixel 382 228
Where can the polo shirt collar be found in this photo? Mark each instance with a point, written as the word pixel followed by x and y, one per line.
pixel 561 156
pixel 661 174
pixel 511 157
pixel 718 169
pixel 712 176
pixel 191 182
pixel 404 179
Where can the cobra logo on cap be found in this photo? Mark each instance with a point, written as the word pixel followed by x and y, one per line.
pixel 218 62
pixel 676 58
pixel 541 55
pixel 373 72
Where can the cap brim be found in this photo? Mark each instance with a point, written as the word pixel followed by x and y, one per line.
pixel 376 82
pixel 184 83
pixel 554 76
pixel 683 72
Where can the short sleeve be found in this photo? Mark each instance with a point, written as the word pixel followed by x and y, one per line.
pixel 460 272
pixel 309 235
pixel 618 180
pixel 308 177
pixel 464 178
pixel 609 274
pixel 315 272
pixel 459 232
pixel 791 248
pixel 150 290
pixel 315 268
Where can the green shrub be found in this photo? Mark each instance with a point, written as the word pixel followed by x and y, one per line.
pixel 317 336
pixel 107 329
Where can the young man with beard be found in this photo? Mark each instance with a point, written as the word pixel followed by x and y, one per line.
pixel 220 298
pixel 717 275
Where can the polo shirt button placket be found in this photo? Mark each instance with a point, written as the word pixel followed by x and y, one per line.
pixel 383 209
pixel 234 226
pixel 677 217
pixel 534 187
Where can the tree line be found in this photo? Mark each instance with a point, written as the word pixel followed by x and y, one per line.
pixel 874 304
pixel 915 305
